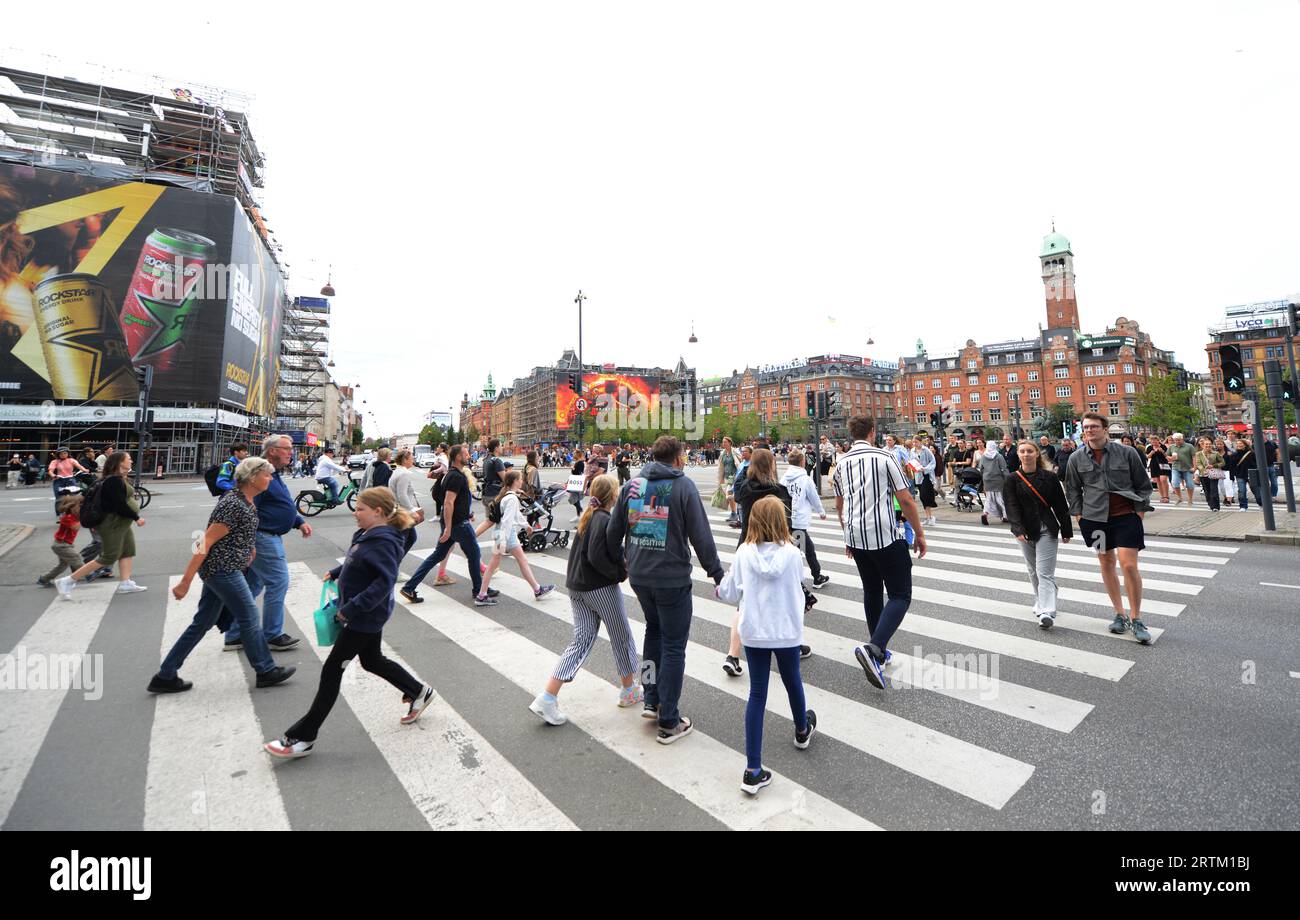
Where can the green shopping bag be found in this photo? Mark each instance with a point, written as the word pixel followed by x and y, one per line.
pixel 720 498
pixel 327 628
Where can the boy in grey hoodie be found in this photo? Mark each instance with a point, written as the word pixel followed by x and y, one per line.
pixel 804 502
pixel 657 514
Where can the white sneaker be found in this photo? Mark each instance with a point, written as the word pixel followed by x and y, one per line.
pixel 64 586
pixel 130 587
pixel 548 710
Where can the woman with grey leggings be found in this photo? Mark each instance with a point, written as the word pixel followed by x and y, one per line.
pixel 1038 514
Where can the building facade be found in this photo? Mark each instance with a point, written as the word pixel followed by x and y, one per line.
pixel 780 392
pixel 994 385
pixel 1259 330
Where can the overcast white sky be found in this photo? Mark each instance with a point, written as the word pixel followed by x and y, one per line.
pixel 754 167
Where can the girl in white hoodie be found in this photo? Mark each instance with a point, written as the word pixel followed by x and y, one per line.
pixel 507 540
pixel 766 581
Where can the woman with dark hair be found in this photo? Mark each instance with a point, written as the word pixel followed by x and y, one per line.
pixel 1158 465
pixel 532 475
pixel 1040 517
pixel 116 499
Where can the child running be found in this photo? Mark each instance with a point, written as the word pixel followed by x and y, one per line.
pixel 366 581
pixel 766 580
pixel 507 540
pixel 69 508
pixel 594 573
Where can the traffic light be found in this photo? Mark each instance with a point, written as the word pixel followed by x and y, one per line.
pixel 821 405
pixel 1290 391
pixel 144 376
pixel 573 383
pixel 1234 379
pixel 934 419
pixel 832 403
pixel 1293 318
pixel 812 404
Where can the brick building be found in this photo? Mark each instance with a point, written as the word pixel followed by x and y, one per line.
pixel 779 392
pixel 987 385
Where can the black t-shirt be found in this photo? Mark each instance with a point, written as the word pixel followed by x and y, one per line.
pixel 493 467
pixel 230 554
pixel 455 481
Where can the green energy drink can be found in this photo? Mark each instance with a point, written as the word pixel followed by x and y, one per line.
pixel 163 298
pixel 85 354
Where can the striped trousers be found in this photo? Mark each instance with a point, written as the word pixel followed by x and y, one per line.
pixel 590 609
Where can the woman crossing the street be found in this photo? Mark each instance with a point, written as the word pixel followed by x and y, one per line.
pixel 1209 466
pixel 1158 465
pixel 366 580
pixel 512 520
pixel 993 468
pixel 595 571
pixel 1039 516
pixel 402 483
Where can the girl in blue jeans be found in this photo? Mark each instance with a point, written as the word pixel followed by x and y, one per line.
pixel 766 580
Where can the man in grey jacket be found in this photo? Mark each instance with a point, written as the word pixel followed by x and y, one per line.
pixel 657 514
pixel 1109 490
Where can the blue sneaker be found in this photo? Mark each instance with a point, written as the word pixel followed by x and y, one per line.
pixel 867 658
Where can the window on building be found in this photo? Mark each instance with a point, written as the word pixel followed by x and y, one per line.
pixel 955 398
pixel 1087 370
pixel 954 381
pixel 1027 356
pixel 995 396
pixel 1092 389
pixel 1248 373
pixel 1098 352
pixel 1130 387
pixel 1062 392
pixel 1013 377
pixel 1035 393
pixel 920 400
pixel 1061 373
pixel 991 359
pixel 1111 389
pixel 1247 354
pixel 972 381
pixel 970 365
pixel 1128 368
pixel 1094 407
pixel 1033 375
pixel 977 415
pixel 991 378
pixel 1110 369
pixel 975 397
pixel 1114 408
pixel 920 418
pixel 1059 356
pixel 950 363
pixel 938 399
pixel 959 416
pixel 995 415
pixel 936 383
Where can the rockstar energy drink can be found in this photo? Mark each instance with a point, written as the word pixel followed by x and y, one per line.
pixel 84 351
pixel 162 301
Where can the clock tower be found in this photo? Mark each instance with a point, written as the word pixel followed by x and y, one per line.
pixel 1058 282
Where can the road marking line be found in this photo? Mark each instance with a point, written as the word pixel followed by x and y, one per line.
pixel 452 791
pixel 1273 584
pixel 708 777
pixel 1039 707
pixel 66 628
pixel 206 767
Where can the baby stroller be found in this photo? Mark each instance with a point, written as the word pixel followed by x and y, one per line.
pixel 540 514
pixel 967 497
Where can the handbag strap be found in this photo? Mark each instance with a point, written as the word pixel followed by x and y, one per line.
pixel 1032 489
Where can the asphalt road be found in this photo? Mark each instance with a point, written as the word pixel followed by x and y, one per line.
pixel 1077 730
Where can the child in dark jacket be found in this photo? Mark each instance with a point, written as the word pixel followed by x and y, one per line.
pixel 366 581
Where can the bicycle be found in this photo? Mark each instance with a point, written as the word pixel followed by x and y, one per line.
pixel 311 502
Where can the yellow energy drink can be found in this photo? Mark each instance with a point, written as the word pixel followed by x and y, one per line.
pixel 85 353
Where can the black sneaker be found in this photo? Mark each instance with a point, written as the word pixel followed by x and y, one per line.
pixel 732 666
pixel 752 782
pixel 801 739
pixel 411 597
pixel 276 675
pixel 809 601
pixel 232 645
pixel 677 732
pixel 44 582
pixel 821 580
pixel 805 651
pixel 175 685
pixel 485 600
pixel 650 711
pixel 493 592
pixel 282 642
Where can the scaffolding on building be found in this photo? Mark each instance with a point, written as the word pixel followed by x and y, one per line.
pixel 304 349
pixel 134 128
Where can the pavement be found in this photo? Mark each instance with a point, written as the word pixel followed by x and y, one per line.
pixel 990 722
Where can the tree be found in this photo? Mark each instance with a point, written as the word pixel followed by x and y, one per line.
pixel 717 424
pixel 430 434
pixel 356 436
pixel 745 427
pixel 471 435
pixel 1163 407
pixel 1057 415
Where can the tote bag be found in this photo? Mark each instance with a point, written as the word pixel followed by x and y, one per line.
pixel 327 628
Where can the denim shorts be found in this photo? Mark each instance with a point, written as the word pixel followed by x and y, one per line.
pixel 507 542
pixel 1179 477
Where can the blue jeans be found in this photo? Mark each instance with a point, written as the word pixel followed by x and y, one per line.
pixel 667 630
pixel 1243 488
pixel 462 535
pixel 1272 480
pixel 760 669
pixel 230 591
pixel 331 489
pixel 880 570
pixel 270 571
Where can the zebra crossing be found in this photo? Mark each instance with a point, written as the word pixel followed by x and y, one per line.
pixel 991 692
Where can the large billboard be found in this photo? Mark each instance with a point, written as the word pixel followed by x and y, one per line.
pixel 620 391
pixel 99 277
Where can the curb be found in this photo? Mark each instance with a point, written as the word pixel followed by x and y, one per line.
pixel 1277 538
pixel 22 533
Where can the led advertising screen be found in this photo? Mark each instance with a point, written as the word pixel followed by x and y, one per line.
pixel 98 277
pixel 620 391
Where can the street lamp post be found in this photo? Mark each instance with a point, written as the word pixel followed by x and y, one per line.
pixel 582 413
pixel 1016 432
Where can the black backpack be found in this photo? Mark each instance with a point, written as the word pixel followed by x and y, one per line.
pixel 494 510
pixel 210 477
pixel 92 514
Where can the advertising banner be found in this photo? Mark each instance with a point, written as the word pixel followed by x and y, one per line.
pixel 99 277
pixel 620 391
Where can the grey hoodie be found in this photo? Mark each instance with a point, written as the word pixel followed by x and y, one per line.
pixel 655 515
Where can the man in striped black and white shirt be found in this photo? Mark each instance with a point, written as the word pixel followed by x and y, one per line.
pixel 867 480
